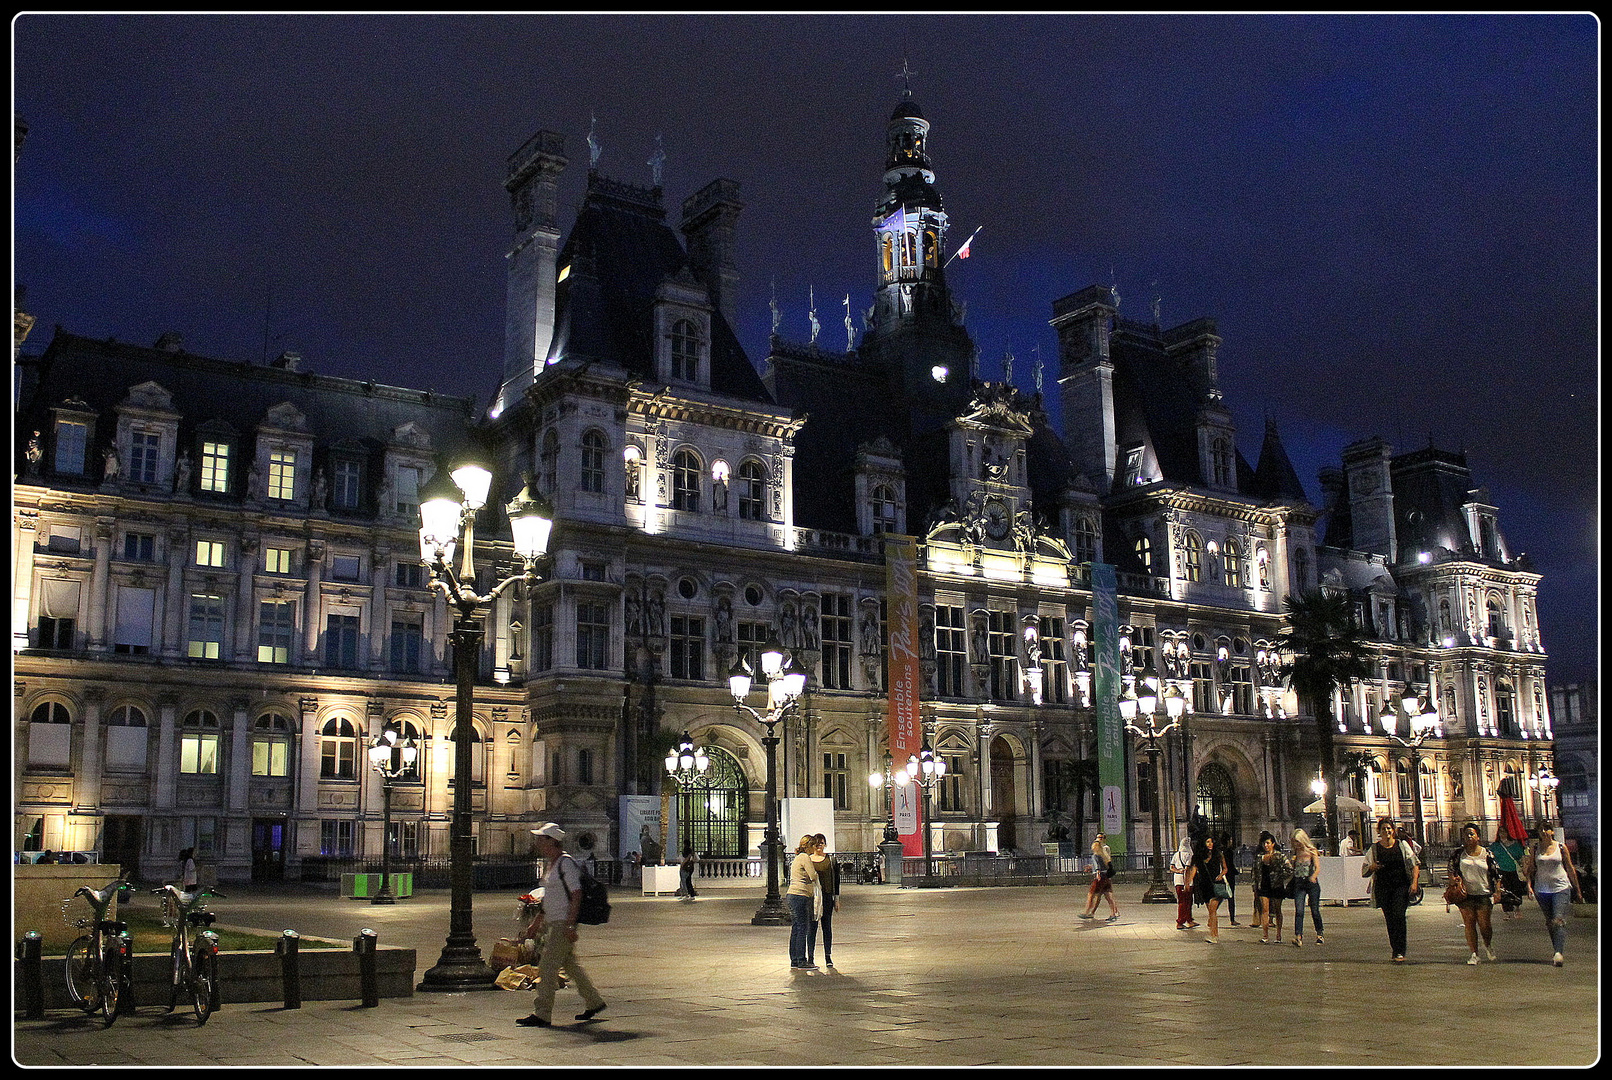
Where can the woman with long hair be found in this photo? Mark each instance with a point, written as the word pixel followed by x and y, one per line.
pixel 1394 873
pixel 802 889
pixel 827 901
pixel 1306 885
pixel 1474 865
pixel 1272 872
pixel 1553 881
pixel 1207 880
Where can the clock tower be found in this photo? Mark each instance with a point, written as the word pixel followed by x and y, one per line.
pixel 989 473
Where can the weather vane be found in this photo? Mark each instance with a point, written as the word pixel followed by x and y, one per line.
pixel 906 75
pixel 657 161
pixel 812 313
pixel 593 142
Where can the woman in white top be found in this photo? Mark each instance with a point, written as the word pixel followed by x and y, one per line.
pixel 1179 865
pixel 1476 868
pixel 1553 881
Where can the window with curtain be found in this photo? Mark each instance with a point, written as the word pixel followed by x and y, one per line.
pixel 126 738
pixel 198 743
pixel 206 639
pixel 58 614
pixel 131 632
pixel 276 624
pixel 72 440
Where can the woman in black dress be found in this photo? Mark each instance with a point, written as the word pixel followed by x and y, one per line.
pixel 1207 880
pixel 1392 866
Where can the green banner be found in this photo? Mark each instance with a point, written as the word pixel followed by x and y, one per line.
pixel 1105 696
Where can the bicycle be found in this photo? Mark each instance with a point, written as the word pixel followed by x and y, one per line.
pixel 195 957
pixel 99 965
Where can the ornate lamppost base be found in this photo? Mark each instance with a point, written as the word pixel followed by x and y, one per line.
pixel 772 912
pixel 453 974
pixel 1158 893
pixel 383 899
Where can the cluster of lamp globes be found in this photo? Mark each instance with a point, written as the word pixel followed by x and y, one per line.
pixel 922 768
pixel 447 507
pixel 1142 699
pixel 380 753
pixel 786 679
pixel 1422 717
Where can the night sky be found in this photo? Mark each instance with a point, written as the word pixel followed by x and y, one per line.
pixel 1392 219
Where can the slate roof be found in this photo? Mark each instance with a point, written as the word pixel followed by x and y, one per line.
pixel 1275 477
pixel 1430 487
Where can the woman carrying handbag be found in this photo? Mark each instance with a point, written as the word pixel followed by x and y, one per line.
pixel 1394 873
pixel 1207 880
pixel 1474 867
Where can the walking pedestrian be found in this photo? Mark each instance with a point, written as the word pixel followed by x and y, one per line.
pixel 827 901
pixel 1553 881
pixel 1272 875
pixel 1207 880
pixel 1394 873
pixel 1180 863
pixel 1102 881
pixel 1306 885
pixel 802 887
pixel 1231 877
pixel 562 900
pixel 188 875
pixel 685 875
pixel 1480 878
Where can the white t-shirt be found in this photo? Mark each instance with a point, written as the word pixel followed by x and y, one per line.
pixel 562 882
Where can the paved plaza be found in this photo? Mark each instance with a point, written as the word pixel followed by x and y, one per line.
pixel 931 977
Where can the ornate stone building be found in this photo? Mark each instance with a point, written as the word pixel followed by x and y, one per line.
pixel 219 599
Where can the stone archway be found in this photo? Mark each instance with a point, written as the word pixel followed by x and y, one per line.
pixel 711 809
pixel 1004 794
pixel 1217 799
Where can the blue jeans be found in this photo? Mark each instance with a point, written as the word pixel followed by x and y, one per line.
pixel 1555 906
pixel 800 928
pixel 1312 890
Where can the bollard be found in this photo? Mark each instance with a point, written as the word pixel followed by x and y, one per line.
pixel 893 855
pixel 33 977
pixel 290 972
pixel 368 987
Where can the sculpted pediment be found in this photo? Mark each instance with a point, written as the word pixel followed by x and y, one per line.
pixel 285 416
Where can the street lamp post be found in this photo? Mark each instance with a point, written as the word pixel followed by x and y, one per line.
pixel 381 748
pixel 686 764
pixel 890 846
pixel 1544 782
pixel 1422 721
pixel 447 522
pixel 1142 704
pixel 785 681
pixel 926 770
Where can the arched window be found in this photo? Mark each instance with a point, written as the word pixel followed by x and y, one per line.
pixel 685 480
pixel 1497 620
pixel 1144 553
pixel 548 462
pixel 126 738
pixel 406 732
pixel 198 743
pixel 338 749
pixel 1085 540
pixel 1234 564
pixel 1402 785
pixel 886 253
pixel 1505 709
pixel 126 716
pixel 752 491
pixel 594 446
pixel 1191 568
pixel 685 351
pixel 883 509
pixel 1217 800
pixel 633 460
pixel 478 756
pixel 710 810
pixel 1220 461
pixel 50 736
pixel 271 745
pixel 1301 568
pixel 52 712
pixel 1425 775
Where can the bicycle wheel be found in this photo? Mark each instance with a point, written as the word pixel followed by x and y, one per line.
pixel 204 981
pixel 178 974
pixel 82 967
pixel 125 973
pixel 110 979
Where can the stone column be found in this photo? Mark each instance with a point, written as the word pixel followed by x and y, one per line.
pixel 983 731
pixel 240 758
pixel 305 811
pixel 245 609
pixel 23 534
pixel 163 796
pixel 312 604
pixel 379 625
pixel 100 585
pixel 1034 761
pixel 175 610
pixel 87 790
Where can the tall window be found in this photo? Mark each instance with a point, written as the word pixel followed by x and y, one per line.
pixel 951 785
pixel 593 635
pixel 883 509
pixel 338 749
pixel 685 351
pixel 1220 461
pixel 336 837
pixel 1003 643
pixel 1242 689
pixel 548 461
pixel 951 650
pixel 214 466
pixel 408 643
pixel 72 440
pixel 685 481
pixel 687 659
pixel 1505 710
pixel 593 460
pixel 837 626
pixel 1144 787
pixel 407 497
pixel 584 765
pixel 749 637
pixel 341 641
pixel 282 474
pixel 541 647
pixel 1203 688
pixel 126 738
pixel 1085 540
pixel 206 626
pixel 1497 621
pixel 209 553
pixel 144 449
pixel 752 491
pixel 1234 564
pixel 1402 783
pixel 344 492
pixel 1054 676
pixel 1191 554
pixel 271 745
pixel 837 780
pixel 1144 553
pixel 276 624
pixel 198 743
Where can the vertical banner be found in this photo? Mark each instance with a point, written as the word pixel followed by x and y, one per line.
pixel 901 614
pixel 1110 732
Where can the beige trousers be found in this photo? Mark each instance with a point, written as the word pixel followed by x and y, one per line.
pixel 559 952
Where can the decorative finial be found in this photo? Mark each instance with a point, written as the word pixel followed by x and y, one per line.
pixel 1007 367
pixel 1158 301
pixel 773 304
pixel 850 330
pixel 1039 369
pixel 593 142
pixel 906 75
pixel 812 314
pixel 657 161
pixel 1113 287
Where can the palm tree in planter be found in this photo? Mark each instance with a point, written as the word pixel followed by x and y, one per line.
pixel 1324 652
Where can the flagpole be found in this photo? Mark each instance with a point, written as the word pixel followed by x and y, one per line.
pixel 962 249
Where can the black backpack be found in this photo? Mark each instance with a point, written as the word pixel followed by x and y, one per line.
pixel 595 906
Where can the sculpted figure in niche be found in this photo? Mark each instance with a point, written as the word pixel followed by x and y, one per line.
pixel 321 487
pixel 788 629
pixel 182 472
pixel 113 466
pixel 926 634
pixel 724 620
pixel 655 614
pixel 808 626
pixel 635 612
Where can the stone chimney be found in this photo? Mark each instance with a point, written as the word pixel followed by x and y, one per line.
pixel 710 218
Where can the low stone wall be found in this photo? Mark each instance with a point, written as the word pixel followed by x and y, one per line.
pixel 326 975
pixel 38 892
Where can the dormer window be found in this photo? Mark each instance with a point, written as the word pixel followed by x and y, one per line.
pixel 282 474
pixel 884 509
pixel 344 492
pixel 1220 461
pixel 686 348
pixel 145 450
pixel 215 466
pixel 1133 467
pixel 72 442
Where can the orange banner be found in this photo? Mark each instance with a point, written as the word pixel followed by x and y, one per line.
pixel 906 736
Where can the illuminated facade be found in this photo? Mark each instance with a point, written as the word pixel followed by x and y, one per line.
pixel 219 597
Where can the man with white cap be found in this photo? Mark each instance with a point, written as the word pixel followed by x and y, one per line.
pixel 562 898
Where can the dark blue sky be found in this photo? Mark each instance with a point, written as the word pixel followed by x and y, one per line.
pixel 1392 219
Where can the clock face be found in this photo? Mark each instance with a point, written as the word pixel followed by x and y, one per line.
pixel 996 519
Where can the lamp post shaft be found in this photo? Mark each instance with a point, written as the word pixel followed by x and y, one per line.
pixel 385 895
pixel 1157 892
pixel 1416 781
pixel 772 911
pixel 929 834
pixel 461 967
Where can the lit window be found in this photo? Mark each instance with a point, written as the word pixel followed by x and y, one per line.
pixel 282 474
pixel 271 745
pixel 276 624
pixel 215 466
pixel 1191 554
pixel 198 743
pixel 276 560
pixel 1144 553
pixel 206 626
pixel 209 553
pixel 338 749
pixel 1234 565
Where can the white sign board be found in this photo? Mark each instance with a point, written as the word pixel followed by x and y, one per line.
pixel 802 817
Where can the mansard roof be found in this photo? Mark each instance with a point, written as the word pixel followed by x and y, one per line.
pixel 1430 488
pixel 619 253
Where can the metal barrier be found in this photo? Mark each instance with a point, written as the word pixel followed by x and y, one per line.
pixel 290 969
pixel 32 976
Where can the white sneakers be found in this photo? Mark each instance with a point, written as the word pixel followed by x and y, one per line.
pixel 1472 960
pixel 1557 959
pixel 1488 954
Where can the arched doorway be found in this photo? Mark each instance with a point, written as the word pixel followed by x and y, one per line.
pixel 1003 799
pixel 710 811
pixel 1217 800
